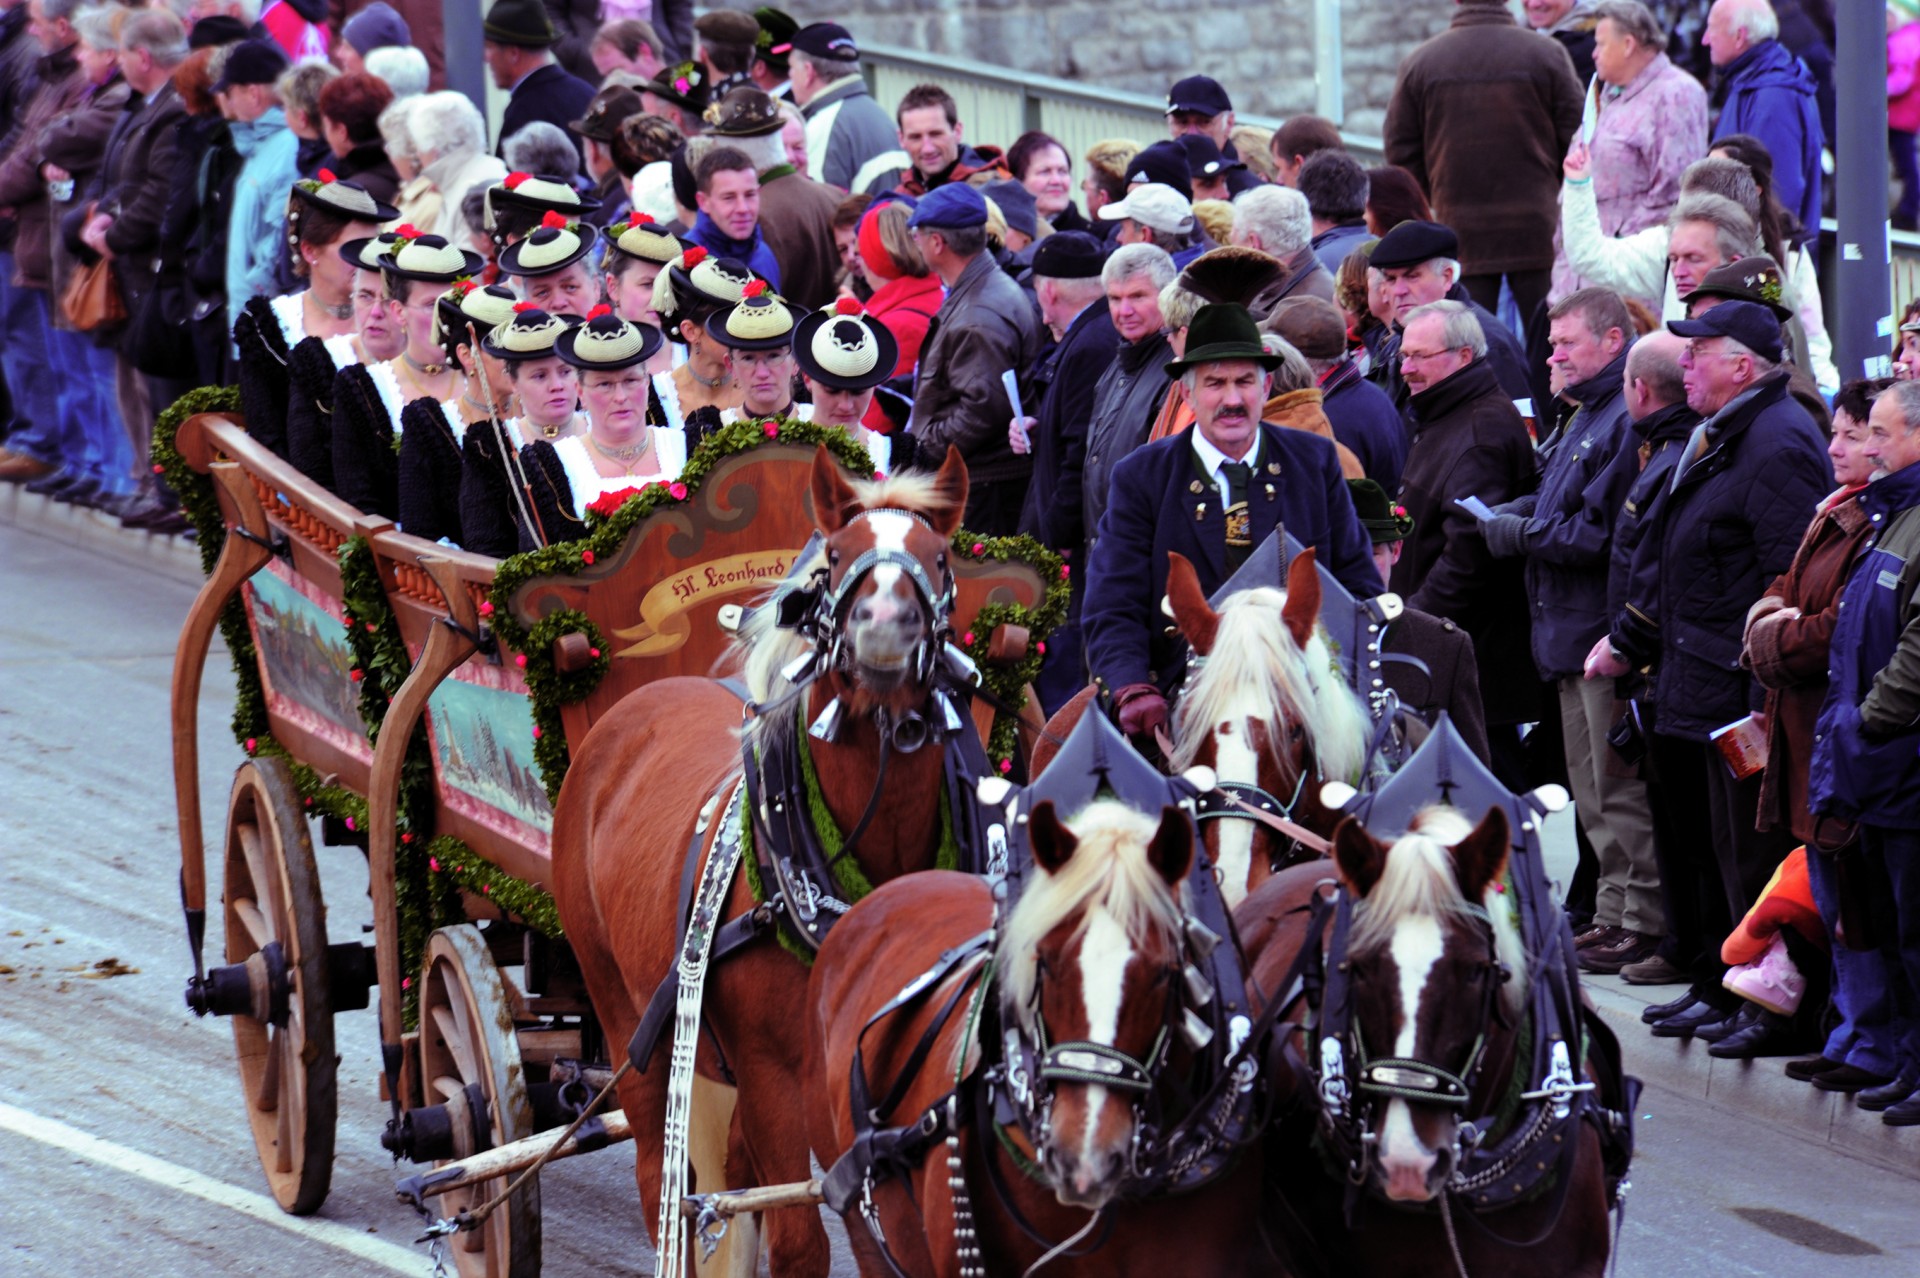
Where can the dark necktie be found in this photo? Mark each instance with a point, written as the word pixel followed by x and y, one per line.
pixel 1239 532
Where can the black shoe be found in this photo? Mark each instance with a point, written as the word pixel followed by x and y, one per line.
pixel 1849 1078
pixel 1661 1011
pixel 1733 1023
pixel 1812 1067
pixel 51 482
pixel 1689 1022
pixel 1904 1113
pixel 174 524
pixel 1889 1093
pixel 149 513
pixel 1766 1034
pixel 83 493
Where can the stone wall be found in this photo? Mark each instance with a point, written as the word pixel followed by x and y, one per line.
pixel 1261 50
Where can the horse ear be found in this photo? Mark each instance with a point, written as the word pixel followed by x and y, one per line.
pixel 1481 857
pixel 1302 609
pixel 950 482
pixel 833 500
pixel 1171 850
pixel 1196 618
pixel 1052 842
pixel 1361 857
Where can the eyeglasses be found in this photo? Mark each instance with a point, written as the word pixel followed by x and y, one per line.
pixel 1407 357
pixel 634 384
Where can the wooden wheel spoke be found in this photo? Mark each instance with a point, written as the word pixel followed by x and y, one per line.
pixel 266 1096
pixel 261 875
pixel 252 922
pixel 453 1031
pixel 448 1086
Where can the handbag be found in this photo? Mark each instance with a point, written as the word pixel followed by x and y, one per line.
pixel 92 300
pixel 159 341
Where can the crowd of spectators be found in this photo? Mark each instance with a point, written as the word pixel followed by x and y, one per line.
pixel 1556 373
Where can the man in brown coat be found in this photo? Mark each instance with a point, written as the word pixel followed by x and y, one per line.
pixel 796 213
pixel 1482 115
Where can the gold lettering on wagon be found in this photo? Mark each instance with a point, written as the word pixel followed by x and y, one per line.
pixel 664 624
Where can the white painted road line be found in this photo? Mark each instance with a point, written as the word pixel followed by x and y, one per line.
pixel 184 1180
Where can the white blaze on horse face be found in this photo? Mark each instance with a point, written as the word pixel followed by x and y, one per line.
pixel 883 606
pixel 1418 944
pixel 1235 759
pixel 1105 953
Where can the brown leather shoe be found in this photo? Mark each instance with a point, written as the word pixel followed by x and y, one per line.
pixel 18 469
pixel 1656 970
pixel 1607 957
pixel 1598 934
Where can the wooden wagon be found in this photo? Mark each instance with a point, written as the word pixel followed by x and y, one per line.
pixel 417 700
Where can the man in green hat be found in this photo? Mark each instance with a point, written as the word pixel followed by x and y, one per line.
pixel 1212 492
pixel 517 40
pixel 1446 678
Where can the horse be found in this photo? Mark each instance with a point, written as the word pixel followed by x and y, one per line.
pixel 1438 981
pixel 655 768
pixel 1087 960
pixel 1265 708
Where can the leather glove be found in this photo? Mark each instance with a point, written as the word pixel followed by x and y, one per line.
pixel 1506 536
pixel 1142 709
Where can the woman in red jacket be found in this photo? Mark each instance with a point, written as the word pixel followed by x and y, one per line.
pixel 906 294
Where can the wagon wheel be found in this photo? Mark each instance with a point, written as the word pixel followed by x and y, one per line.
pixel 276 924
pixel 470 1062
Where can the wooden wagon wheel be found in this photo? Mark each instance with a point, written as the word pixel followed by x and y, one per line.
pixel 470 1062
pixel 276 924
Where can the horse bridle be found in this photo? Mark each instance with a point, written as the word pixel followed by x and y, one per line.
pixel 820 609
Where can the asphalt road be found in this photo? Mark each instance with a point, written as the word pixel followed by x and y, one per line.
pixel 123 1145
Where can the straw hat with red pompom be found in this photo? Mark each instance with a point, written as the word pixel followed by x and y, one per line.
pixel 696 283
pixel 531 334
pixel 553 246
pixel 760 321
pixel 606 342
pixel 639 236
pixel 845 347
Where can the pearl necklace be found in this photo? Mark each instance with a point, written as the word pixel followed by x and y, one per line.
pixel 627 457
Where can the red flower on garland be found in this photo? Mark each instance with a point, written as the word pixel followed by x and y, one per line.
pixel 679 491
pixel 486 608
pixel 554 220
pixel 772 429
pixel 586 557
pixel 327 178
pixel 609 502
pixel 513 180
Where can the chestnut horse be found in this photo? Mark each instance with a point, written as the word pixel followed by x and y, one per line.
pixel 1265 708
pixel 1088 960
pixel 1439 981
pixel 640 779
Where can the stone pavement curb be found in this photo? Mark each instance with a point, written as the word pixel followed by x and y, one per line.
pixel 1755 1089
pixel 173 557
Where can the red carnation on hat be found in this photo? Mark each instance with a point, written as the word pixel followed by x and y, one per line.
pixel 847 306
pixel 640 219
pixel 556 220
pixel 407 231
pixel 598 311
pixel 693 257
pixel 754 288
pixel 327 177
pixel 521 308
pixel 513 180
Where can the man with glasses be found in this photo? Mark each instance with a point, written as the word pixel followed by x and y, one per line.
pixel 1469 442
pixel 1744 488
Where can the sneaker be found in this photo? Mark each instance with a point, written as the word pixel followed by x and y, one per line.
pixel 1606 958
pixel 1772 980
pixel 1655 970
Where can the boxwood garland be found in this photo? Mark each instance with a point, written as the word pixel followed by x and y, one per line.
pixel 1009 683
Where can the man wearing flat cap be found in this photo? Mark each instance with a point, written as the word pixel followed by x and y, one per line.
pixel 1419 262
pixel 984 329
pixel 1073 305
pixel 1212 492
pixel 1743 491
pixel 517 40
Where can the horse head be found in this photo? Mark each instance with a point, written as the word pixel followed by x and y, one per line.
pixel 1091 957
pixel 1434 960
pixel 1264 708
pixel 889 585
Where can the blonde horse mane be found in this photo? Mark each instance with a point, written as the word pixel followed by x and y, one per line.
pixel 1108 871
pixel 1254 653
pixel 1418 881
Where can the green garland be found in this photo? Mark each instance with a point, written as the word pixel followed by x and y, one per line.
pixel 548 689
pixel 469 872
pixel 1009 683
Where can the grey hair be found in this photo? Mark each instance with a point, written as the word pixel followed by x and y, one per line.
pixel 768 151
pixel 394 133
pixel 1634 20
pixel 159 32
pixel 1733 231
pixel 1906 397
pixel 95 27
pixel 1134 261
pixel 403 67
pixel 446 123
pixel 1083 291
pixel 1459 326
pixel 1728 178
pixel 1755 17
pixel 1278 215
pixel 1177 306
pixel 829 68
pixel 300 84
pixel 55 10
pixel 1762 366
pixel 541 148
pixel 1294 373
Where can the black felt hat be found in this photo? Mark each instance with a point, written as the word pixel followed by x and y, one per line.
pixel 523 23
pixel 1069 255
pixel 1222 331
pixel 1384 519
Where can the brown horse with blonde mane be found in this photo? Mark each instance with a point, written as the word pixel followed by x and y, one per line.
pixel 641 778
pixel 1087 960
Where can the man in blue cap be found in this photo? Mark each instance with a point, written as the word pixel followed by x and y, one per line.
pixel 984 329
pixel 1743 492
pixel 1212 492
